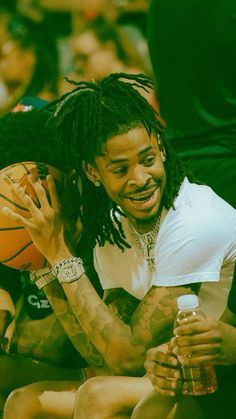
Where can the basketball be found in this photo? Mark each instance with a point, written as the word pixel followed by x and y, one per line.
pixel 16 247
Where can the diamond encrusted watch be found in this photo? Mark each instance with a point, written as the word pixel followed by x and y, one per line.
pixel 68 270
pixel 42 277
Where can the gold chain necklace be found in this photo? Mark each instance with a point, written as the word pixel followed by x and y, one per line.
pixel 147 241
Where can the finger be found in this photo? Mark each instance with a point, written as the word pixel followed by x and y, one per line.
pixel 160 357
pixel 40 192
pixel 210 337
pixel 194 361
pixel 53 193
pixel 198 350
pixel 25 222
pixel 26 199
pixel 205 349
pixel 194 327
pixel 163 392
pixel 162 371
pixel 164 386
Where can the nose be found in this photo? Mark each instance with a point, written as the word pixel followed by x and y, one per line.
pixel 139 177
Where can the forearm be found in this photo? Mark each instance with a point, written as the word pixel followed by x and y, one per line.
pixel 229 354
pixel 123 346
pixel 7 303
pixel 104 329
pixel 73 329
pixel 230 335
pixel 7 311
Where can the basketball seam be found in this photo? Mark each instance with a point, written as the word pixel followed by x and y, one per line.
pixel 17 253
pixel 13 203
pixel 11 228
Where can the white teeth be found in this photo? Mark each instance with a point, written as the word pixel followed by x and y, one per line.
pixel 142 198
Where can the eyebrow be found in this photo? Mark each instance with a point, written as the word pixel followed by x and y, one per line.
pixel 122 160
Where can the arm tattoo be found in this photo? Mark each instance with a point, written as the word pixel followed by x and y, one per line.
pixel 73 329
pixel 129 330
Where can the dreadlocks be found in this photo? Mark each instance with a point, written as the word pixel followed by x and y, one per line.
pixel 87 117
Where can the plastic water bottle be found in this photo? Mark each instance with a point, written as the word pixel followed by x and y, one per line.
pixel 197 380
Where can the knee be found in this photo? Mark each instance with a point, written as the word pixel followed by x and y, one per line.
pixel 91 399
pixel 21 404
pixel 12 401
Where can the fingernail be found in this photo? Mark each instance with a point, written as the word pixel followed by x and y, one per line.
pixel 175 350
pixel 5 210
pixel 176 374
pixel 5 344
pixel 174 361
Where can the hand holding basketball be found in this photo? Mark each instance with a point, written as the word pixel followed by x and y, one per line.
pixel 45 225
pixel 30 220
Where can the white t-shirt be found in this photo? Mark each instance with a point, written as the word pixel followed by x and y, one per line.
pixel 196 243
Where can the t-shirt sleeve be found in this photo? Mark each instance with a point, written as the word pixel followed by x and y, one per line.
pixel 194 245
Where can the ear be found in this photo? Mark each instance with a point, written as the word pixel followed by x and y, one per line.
pixel 90 171
pixel 161 148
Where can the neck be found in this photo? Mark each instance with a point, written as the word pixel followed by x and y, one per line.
pixel 145 226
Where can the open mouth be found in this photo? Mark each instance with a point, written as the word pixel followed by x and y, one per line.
pixel 144 200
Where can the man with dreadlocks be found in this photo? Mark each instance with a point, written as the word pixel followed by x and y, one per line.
pixel 156 235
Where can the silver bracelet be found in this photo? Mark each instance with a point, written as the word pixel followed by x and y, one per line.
pixel 42 277
pixel 68 270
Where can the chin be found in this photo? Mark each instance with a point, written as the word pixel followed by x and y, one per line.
pixel 145 218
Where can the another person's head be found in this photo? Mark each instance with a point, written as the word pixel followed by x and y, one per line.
pixel 102 48
pixel 113 133
pixel 28 58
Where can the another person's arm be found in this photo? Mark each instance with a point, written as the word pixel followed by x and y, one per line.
pixel 10 289
pixel 7 313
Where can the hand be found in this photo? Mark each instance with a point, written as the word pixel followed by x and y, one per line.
pixel 207 341
pixel 163 370
pixel 45 226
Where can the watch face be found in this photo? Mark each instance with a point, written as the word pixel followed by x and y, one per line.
pixel 71 272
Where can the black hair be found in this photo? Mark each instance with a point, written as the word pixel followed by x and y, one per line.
pixel 26 136
pixel 87 117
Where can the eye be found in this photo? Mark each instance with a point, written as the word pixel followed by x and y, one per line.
pixel 149 161
pixel 122 170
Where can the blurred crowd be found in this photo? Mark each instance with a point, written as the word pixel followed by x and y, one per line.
pixel 45 42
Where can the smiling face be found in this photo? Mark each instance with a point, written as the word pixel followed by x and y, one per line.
pixel 132 172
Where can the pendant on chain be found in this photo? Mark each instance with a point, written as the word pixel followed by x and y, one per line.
pixel 149 255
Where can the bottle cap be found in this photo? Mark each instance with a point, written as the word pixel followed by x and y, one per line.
pixel 187 301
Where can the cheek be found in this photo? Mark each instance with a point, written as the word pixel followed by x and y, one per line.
pixel 112 186
pixel 158 170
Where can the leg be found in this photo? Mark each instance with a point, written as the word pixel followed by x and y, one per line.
pixel 110 397
pixel 188 407
pixel 18 371
pixel 42 400
pixel 154 405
